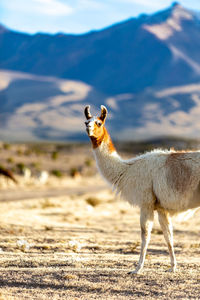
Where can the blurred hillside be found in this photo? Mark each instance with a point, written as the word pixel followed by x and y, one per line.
pixel 146 70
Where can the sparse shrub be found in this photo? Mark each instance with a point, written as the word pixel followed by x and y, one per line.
pixel 35 165
pixel 57 173
pixel 93 201
pixel 6 146
pixel 45 247
pixel 27 152
pixel 73 172
pixel 48 228
pixel 19 152
pixel 54 155
pixel 20 166
pixel 37 150
pixel 10 160
pixel 88 162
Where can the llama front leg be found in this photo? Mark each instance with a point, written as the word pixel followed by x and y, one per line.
pixel 166 225
pixel 146 223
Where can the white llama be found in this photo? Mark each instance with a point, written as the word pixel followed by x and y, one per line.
pixel 166 181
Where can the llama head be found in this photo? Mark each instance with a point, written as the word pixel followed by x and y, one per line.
pixel 95 125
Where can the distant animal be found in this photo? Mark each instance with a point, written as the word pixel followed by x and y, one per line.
pixel 164 181
pixel 43 176
pixel 26 173
pixel 7 173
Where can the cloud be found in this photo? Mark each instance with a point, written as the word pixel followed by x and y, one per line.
pixel 52 7
pixel 90 5
pixel 146 3
pixel 41 7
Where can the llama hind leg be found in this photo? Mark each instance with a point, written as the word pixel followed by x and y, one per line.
pixel 166 225
pixel 146 223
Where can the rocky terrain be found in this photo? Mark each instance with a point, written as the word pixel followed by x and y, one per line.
pixel 67 236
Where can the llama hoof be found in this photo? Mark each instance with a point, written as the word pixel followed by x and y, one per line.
pixel 171 270
pixel 134 272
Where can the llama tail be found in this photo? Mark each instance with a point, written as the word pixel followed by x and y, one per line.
pixel 7 173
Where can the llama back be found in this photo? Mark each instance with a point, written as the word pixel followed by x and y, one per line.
pixel 167 177
pixel 176 183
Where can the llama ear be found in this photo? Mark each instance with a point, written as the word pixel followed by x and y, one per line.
pixel 87 112
pixel 104 113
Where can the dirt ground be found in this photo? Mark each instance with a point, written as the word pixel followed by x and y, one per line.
pixel 71 238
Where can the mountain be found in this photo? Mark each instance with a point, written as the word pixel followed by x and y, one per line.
pixel 146 70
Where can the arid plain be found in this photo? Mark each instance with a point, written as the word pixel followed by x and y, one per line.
pixel 65 235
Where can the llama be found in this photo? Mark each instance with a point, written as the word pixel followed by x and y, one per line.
pixel 8 174
pixel 164 181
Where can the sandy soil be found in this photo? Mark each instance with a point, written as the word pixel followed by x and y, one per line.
pixel 70 238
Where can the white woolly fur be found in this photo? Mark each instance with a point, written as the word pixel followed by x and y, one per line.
pixel 140 179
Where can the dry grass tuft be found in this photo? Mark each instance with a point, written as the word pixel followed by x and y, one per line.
pixel 134 246
pixel 70 276
pixel 74 245
pixel 157 231
pixel 48 228
pixel 93 201
pixel 46 203
pixel 195 245
pixel 74 172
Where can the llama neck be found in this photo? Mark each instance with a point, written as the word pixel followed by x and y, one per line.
pixel 110 164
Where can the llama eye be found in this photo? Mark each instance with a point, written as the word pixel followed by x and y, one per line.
pixel 98 123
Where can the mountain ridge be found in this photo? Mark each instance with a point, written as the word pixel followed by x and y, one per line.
pixel 131 62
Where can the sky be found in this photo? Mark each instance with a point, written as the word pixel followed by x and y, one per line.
pixel 76 16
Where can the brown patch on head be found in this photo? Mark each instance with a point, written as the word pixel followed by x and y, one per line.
pixel 179 174
pixel 101 135
pixel 97 132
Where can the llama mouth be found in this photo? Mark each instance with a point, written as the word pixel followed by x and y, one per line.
pixel 88 131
